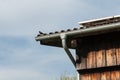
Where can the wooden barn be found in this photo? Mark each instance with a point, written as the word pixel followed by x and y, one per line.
pixel 97 45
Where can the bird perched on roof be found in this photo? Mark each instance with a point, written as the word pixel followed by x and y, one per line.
pixel 40 32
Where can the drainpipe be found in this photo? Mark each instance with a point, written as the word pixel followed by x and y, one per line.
pixel 64 44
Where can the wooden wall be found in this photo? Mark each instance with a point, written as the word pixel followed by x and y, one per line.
pixel 108 75
pixel 98 57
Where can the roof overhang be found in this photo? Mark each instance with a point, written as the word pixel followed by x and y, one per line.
pixel 55 40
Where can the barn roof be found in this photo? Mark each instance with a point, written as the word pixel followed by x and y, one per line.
pixel 87 28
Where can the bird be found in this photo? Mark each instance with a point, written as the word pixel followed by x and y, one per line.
pixel 40 32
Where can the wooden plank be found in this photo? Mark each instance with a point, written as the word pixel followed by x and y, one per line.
pixel 110 55
pixel 95 76
pixel 94 59
pixel 85 77
pixel 108 76
pixel 88 77
pixel 119 74
pixel 83 63
pixel 89 59
pixel 103 76
pixel 100 58
pixel 81 77
pixel 115 75
pixel 118 53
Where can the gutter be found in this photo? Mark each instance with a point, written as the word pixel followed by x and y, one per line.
pixel 83 32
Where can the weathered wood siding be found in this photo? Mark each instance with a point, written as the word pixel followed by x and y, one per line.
pixel 108 75
pixel 98 57
pixel 96 52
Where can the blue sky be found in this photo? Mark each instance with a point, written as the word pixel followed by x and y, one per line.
pixel 21 57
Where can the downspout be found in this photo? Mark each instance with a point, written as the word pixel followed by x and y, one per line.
pixel 63 37
pixel 64 44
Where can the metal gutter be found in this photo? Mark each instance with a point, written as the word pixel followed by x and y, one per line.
pixel 83 32
pixel 64 44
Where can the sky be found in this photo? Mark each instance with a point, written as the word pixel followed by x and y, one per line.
pixel 21 57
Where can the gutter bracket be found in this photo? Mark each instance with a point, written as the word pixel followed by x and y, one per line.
pixel 63 37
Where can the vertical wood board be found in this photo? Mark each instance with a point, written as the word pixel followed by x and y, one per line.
pixel 118 56
pixel 83 64
pixel 110 55
pixel 90 60
pixel 95 76
pixel 85 77
pixel 100 58
pixel 115 75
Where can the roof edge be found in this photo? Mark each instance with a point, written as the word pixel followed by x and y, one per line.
pixel 82 32
pixel 93 20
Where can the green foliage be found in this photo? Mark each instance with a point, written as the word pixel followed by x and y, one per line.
pixel 67 76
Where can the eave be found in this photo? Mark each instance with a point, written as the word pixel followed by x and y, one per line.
pixel 55 40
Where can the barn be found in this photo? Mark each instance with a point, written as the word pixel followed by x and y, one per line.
pixel 97 46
